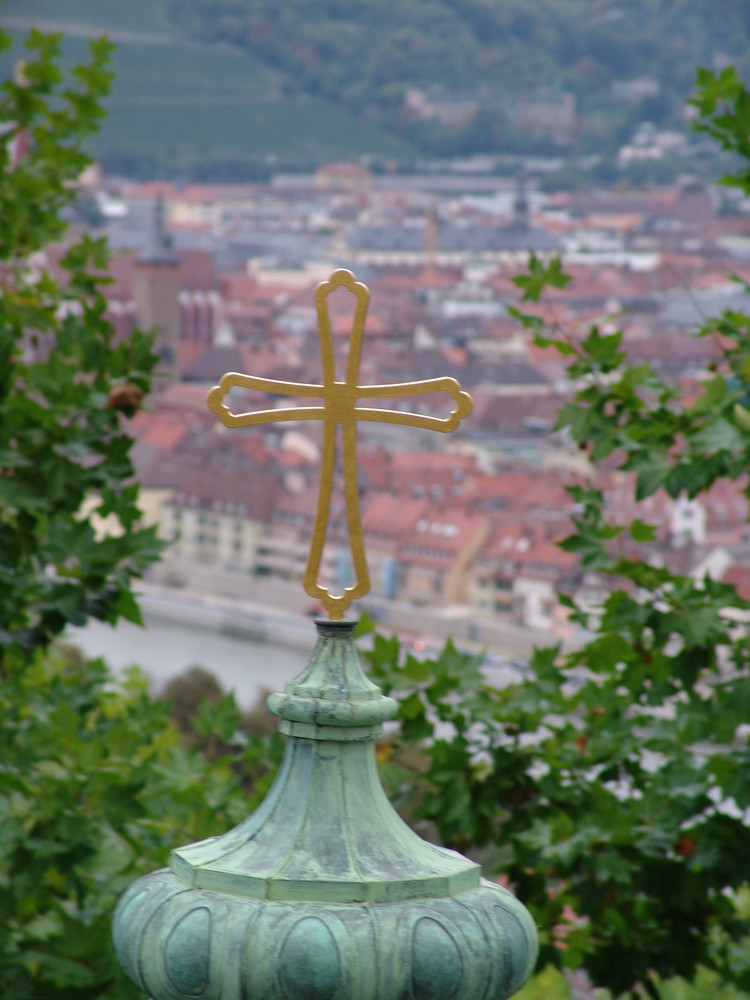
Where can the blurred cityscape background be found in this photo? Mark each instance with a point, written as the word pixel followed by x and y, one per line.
pixel 250 149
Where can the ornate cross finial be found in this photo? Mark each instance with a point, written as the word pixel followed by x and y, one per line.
pixel 339 408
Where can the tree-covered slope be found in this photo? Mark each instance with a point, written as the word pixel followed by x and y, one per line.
pixel 366 54
pixel 182 107
pixel 356 63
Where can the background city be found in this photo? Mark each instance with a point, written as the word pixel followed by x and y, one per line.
pixel 463 529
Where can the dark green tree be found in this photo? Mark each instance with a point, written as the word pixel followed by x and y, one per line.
pixel 66 384
pixel 95 787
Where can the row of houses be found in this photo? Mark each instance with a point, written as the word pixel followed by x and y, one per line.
pixel 441 530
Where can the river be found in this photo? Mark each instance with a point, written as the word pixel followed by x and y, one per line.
pixel 249 647
pixel 166 648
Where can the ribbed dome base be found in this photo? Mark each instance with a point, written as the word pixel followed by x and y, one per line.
pixel 183 943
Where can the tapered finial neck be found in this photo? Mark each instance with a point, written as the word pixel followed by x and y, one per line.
pixel 333 699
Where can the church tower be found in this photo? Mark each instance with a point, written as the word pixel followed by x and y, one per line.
pixel 521 208
pixel 157 279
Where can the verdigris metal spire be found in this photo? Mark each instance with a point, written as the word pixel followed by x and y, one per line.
pixel 324 893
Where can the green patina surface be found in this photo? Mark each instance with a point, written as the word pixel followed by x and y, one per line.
pixel 324 893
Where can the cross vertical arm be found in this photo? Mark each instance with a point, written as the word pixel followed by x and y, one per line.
pixel 340 401
pixel 336 604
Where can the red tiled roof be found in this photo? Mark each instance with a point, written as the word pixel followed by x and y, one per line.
pixel 375 467
pixel 509 538
pixel 440 537
pixel 197 270
pixel 164 430
pixel 389 516
pixel 181 396
pixel 189 352
pixel 739 576
pixel 546 558
pixel 243 288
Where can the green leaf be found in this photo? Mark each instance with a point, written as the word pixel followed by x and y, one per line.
pixel 719 435
pixel 51 769
pixel 640 531
pixel 411 707
pixel 530 322
pixel 539 277
pixel 652 470
pixel 126 606
pixel 604 349
pixel 417 671
pixel 714 393
pixel 741 417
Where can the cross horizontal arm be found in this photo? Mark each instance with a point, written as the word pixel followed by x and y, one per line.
pixel 462 400
pixel 444 384
pixel 230 419
pixel 235 380
pixel 406 419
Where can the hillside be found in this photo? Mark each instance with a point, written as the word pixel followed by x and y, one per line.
pixel 364 56
pixel 206 110
pixel 210 85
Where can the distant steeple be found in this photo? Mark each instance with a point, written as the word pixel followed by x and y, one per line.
pixel 157 280
pixel 158 249
pixel 521 205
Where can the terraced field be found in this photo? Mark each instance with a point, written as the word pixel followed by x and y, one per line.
pixel 177 106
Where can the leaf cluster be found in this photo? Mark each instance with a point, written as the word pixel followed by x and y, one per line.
pixel 723 107
pixel 96 788
pixel 67 383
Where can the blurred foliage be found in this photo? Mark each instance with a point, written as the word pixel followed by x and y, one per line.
pixel 94 787
pixel 66 384
pixel 95 790
pixel 613 787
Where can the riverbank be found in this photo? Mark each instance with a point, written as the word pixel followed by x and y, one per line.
pixel 279 609
pixel 287 624
pixel 238 618
pixel 252 647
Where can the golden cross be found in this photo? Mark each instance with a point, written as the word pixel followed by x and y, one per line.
pixel 339 408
